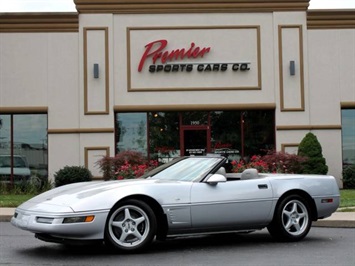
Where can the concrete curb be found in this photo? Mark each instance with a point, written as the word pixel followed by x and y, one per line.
pixel 337 220
pixel 334 224
pixel 6 214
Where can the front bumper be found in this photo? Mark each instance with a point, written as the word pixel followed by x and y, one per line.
pixel 52 224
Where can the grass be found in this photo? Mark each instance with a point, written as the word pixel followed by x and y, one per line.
pixel 13 200
pixel 13 196
pixel 347 199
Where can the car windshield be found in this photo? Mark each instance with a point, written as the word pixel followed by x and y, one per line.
pixel 188 169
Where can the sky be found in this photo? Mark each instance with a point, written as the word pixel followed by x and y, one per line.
pixel 68 5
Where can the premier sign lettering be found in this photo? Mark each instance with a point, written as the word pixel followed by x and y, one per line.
pixel 205 67
pixel 164 56
pixel 161 58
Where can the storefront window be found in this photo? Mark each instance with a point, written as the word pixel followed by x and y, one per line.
pixel 164 142
pixel 195 118
pixel 131 132
pixel 258 132
pixel 23 153
pixel 5 134
pixel 226 134
pixel 163 136
pixel 348 136
pixel 242 134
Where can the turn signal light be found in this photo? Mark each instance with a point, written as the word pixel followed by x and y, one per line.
pixel 80 219
pixel 327 200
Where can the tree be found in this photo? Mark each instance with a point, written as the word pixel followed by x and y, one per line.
pixel 312 150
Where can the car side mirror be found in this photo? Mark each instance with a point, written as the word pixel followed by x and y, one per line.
pixel 216 178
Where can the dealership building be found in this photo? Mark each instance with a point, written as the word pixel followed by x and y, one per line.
pixel 172 78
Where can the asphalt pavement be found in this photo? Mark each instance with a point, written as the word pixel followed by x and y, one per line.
pixel 338 219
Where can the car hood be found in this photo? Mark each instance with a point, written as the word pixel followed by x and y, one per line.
pixel 84 196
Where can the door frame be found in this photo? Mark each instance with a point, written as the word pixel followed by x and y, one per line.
pixel 184 128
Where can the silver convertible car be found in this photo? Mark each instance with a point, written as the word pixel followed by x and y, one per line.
pixel 188 196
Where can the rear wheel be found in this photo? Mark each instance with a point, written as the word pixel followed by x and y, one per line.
pixel 292 220
pixel 130 226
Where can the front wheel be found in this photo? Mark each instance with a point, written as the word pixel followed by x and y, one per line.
pixel 291 220
pixel 130 226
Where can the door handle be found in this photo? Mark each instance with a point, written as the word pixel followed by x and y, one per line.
pixel 263 186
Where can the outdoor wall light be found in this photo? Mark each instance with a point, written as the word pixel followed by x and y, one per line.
pixel 96 71
pixel 292 68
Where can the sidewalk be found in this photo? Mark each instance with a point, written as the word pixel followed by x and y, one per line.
pixel 338 219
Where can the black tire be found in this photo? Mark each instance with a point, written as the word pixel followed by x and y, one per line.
pixel 131 226
pixel 292 220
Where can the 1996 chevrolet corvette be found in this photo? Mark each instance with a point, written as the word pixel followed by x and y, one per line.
pixel 187 196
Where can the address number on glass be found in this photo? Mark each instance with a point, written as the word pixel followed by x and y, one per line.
pixel 195 123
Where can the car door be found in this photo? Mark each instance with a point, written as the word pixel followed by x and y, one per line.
pixel 239 203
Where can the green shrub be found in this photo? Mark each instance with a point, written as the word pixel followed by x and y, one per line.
pixel 72 174
pixel 349 176
pixel 312 150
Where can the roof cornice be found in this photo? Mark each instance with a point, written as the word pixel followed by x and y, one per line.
pixel 331 19
pixel 39 22
pixel 188 6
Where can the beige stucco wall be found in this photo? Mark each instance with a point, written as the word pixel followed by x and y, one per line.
pixel 54 70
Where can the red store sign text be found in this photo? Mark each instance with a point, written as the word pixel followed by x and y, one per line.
pixel 155 51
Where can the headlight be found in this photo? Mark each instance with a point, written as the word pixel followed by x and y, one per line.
pixel 44 220
pixel 80 219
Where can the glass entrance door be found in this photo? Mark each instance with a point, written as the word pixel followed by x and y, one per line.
pixel 195 142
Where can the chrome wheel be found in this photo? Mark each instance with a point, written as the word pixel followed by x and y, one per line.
pixel 292 220
pixel 131 225
pixel 295 217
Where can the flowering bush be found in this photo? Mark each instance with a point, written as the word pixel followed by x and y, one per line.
pixel 126 164
pixel 129 171
pixel 273 162
pixel 255 162
pixel 282 162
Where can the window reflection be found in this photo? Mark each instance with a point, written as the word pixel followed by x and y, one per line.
pixel 163 136
pixel 258 132
pixel 164 142
pixel 348 136
pixel 131 132
pixel 5 133
pixel 195 118
pixel 23 153
pixel 226 134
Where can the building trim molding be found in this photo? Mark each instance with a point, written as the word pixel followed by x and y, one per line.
pixel 24 110
pixel 284 146
pixel 106 151
pixel 86 75
pixel 69 21
pixel 257 86
pixel 188 6
pixel 331 19
pixel 309 127
pixel 347 105
pixel 193 107
pixel 39 22
pixel 80 130
pixel 301 107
